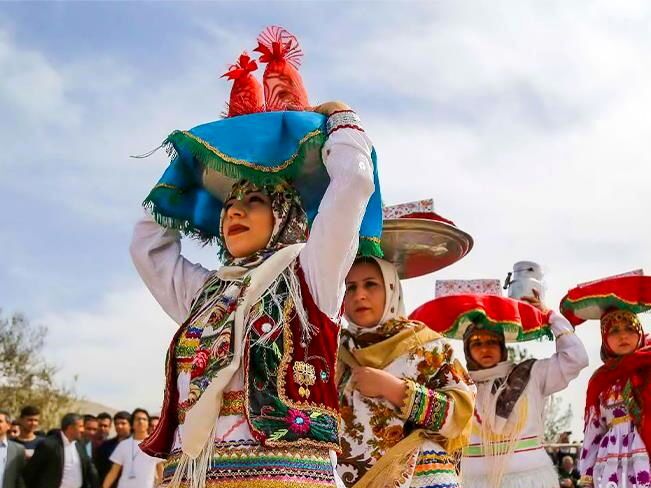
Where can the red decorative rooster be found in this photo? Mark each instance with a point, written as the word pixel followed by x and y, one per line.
pixel 246 94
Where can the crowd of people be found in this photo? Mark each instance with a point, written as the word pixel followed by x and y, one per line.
pixel 80 453
pixel 106 461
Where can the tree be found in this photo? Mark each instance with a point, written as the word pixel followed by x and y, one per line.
pixel 557 419
pixel 25 377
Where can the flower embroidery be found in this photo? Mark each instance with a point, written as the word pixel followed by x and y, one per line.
pixel 392 435
pixel 199 363
pixel 431 362
pixel 299 423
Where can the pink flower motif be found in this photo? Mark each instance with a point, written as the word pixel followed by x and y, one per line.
pixel 299 423
pixel 199 363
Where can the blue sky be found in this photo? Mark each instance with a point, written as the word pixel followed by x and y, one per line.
pixel 525 121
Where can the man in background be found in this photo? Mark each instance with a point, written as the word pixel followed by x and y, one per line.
pixel 12 456
pixel 568 475
pixel 153 423
pixel 14 432
pixel 60 461
pixel 122 424
pixel 30 419
pixel 104 424
pixel 134 468
pixel 90 433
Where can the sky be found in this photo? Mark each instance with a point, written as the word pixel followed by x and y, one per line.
pixel 526 121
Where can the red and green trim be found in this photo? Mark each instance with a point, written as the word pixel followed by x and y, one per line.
pixel 451 316
pixel 590 302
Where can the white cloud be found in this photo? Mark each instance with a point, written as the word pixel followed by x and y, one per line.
pixel 116 349
pixel 32 89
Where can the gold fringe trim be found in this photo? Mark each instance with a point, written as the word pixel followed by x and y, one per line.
pixel 258 167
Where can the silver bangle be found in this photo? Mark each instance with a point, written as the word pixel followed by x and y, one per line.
pixel 342 120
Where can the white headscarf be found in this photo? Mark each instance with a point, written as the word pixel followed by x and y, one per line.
pixel 393 305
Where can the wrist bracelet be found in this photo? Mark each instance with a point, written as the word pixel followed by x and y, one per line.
pixel 408 400
pixel 565 332
pixel 343 119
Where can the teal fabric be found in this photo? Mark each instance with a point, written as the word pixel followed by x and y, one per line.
pixel 263 148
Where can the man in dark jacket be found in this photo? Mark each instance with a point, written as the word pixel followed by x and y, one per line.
pixel 12 456
pixel 60 461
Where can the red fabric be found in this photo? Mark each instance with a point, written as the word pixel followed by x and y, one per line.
pixel 283 85
pixel 637 368
pixel 442 313
pixel 246 94
pixel 633 290
pixel 428 216
pixel 322 351
pixel 160 441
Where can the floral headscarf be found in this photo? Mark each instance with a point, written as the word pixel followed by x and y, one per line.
pixel 608 320
pixel 394 307
pixel 290 221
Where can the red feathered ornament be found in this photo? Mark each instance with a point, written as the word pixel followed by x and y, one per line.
pixel 283 86
pixel 246 94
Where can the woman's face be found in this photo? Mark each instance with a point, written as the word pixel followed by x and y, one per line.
pixel 622 338
pixel 248 224
pixel 485 349
pixel 365 294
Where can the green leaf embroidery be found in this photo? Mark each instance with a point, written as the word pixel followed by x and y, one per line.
pixel 279 434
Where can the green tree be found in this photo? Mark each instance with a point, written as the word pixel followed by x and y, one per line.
pixel 26 378
pixel 557 418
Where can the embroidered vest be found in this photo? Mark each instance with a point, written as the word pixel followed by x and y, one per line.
pixel 291 395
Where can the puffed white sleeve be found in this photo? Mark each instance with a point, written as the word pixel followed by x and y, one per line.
pixel 171 279
pixel 555 373
pixel 334 238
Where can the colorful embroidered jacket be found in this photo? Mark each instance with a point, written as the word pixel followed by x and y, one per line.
pixel 290 392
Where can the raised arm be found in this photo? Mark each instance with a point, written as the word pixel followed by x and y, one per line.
pixel 332 245
pixel 555 373
pixel 172 279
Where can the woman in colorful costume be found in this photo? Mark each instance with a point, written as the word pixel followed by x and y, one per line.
pixel 617 432
pixel 506 444
pixel 250 394
pixel 406 403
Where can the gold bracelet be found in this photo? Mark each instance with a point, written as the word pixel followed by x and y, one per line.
pixel 565 332
pixel 408 401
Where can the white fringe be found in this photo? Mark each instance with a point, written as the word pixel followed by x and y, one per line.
pixel 195 471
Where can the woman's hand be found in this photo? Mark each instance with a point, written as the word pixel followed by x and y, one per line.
pixel 375 383
pixel 536 301
pixel 329 107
